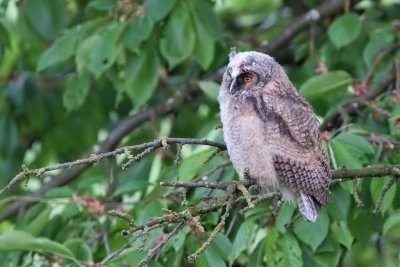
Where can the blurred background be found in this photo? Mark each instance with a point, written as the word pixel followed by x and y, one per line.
pixel 80 77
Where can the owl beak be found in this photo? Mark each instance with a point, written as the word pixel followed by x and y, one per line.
pixel 234 87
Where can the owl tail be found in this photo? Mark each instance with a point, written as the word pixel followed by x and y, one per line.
pixel 307 207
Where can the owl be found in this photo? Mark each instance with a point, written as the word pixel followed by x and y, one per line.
pixel 271 132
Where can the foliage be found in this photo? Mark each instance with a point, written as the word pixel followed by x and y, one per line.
pixel 71 71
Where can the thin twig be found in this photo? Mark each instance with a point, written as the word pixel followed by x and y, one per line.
pixel 387 186
pixel 357 199
pixel 157 248
pixel 218 228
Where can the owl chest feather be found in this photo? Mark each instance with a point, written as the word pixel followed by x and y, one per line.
pixel 249 142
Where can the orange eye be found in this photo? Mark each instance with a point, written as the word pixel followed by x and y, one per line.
pixel 247 78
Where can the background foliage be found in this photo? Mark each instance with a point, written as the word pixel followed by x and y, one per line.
pixel 71 71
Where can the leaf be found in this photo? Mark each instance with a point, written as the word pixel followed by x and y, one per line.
pixel 191 165
pixel 99 7
pixel 211 89
pixel 106 50
pixel 377 41
pixel 344 30
pixel 48 17
pixel 242 239
pixel 62 50
pixel 136 32
pixel 313 233
pixel 321 85
pixel 142 74
pixel 8 134
pixel 291 256
pixel 59 192
pixel 344 156
pixel 84 51
pixel 342 234
pixel 179 36
pixel 158 9
pixel 223 245
pixel 80 249
pixel 272 252
pixel 376 186
pixel 284 217
pixel 76 90
pixel 356 142
pixel 392 221
pixel 208 29
pixel 36 226
pixel 20 240
pixel 4 36
pixel 206 19
pixel 210 258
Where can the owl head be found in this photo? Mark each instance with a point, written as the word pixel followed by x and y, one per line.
pixel 250 72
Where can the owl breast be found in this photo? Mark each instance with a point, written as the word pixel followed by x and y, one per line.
pixel 248 143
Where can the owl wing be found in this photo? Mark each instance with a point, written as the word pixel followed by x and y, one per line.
pixel 297 120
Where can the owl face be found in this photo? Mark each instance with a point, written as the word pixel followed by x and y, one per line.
pixel 249 72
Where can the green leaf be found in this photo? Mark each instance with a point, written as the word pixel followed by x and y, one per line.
pixel 84 51
pixel 342 234
pixel 321 85
pixel 99 7
pixel 4 36
pixel 76 90
pixel 313 233
pixel 158 9
pixel 210 258
pixel 211 89
pixel 137 31
pixel 36 226
pixel 20 240
pixel 291 256
pixel 377 41
pixel 356 141
pixel 106 50
pixel 223 245
pixel 344 155
pixel 8 134
pixel 376 186
pixel 80 249
pixel 59 192
pixel 62 50
pixel 242 239
pixel 179 36
pixel 48 17
pixel 142 74
pixel 206 19
pixel 344 30
pixel 284 217
pixel 272 252
pixel 191 165
pixel 208 29
pixel 392 221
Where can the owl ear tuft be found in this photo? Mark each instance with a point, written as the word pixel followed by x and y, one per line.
pixel 233 53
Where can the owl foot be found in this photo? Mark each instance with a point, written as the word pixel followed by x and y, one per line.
pixel 247 177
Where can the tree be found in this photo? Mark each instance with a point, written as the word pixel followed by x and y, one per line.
pixel 87 86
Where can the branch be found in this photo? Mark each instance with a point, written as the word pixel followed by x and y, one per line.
pixel 326 9
pixel 354 104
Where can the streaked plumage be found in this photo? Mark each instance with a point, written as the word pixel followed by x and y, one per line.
pixel 271 130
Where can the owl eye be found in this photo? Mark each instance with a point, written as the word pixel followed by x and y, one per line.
pixel 247 78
